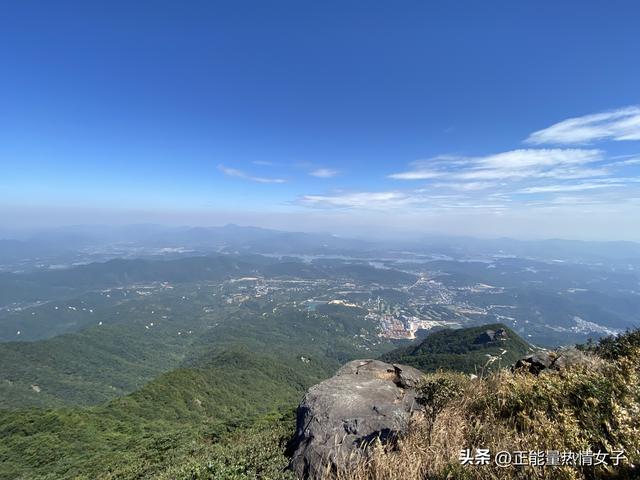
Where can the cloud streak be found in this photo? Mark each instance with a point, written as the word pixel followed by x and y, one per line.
pixel 619 125
pixel 466 186
pixel 399 201
pixel 365 200
pixel 233 172
pixel 569 188
pixel 517 164
pixel 627 160
pixel 418 174
pixel 324 173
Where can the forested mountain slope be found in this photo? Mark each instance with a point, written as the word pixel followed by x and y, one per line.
pixel 464 350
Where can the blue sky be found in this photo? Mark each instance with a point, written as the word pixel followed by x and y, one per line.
pixel 465 117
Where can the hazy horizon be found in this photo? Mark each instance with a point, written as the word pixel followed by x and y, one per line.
pixel 33 231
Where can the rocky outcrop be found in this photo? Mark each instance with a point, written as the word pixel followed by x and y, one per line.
pixel 491 336
pixel 552 361
pixel 366 400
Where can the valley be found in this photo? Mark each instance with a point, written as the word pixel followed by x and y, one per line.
pixel 168 359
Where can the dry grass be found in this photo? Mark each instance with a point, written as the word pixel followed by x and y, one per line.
pixel 595 406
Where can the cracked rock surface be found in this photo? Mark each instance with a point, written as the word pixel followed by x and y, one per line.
pixel 363 401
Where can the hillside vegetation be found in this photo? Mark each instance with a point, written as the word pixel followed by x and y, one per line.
pixel 102 362
pixel 136 436
pixel 463 350
pixel 250 366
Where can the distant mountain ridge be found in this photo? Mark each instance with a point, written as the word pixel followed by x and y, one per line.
pixel 230 236
pixel 64 245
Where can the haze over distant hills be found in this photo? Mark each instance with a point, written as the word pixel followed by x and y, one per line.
pixel 64 246
pixel 545 289
pixel 559 285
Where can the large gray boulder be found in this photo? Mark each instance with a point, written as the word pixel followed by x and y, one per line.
pixel 552 361
pixel 365 400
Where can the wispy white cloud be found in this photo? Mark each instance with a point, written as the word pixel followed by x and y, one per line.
pixel 528 158
pixel 401 201
pixel 569 188
pixel 417 174
pixel 540 183
pixel 494 183
pixel 263 163
pixel 622 124
pixel 373 200
pixel 513 164
pixel 430 168
pixel 569 173
pixel 233 172
pixel 324 173
pixel 466 186
pixel 626 160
